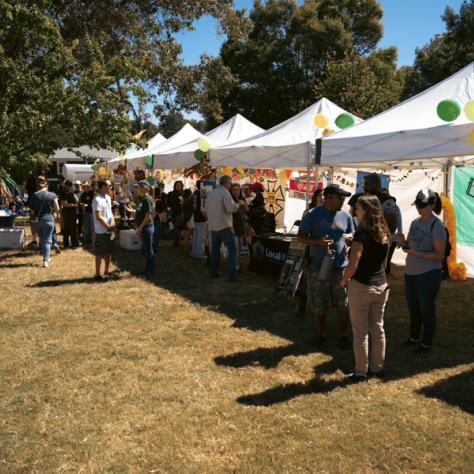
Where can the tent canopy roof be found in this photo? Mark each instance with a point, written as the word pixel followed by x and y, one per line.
pixel 287 145
pixel 409 132
pixel 235 129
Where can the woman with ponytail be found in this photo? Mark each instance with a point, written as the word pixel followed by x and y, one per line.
pixel 423 272
pixel 367 287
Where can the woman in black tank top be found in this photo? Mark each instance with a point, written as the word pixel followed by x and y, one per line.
pixel 367 287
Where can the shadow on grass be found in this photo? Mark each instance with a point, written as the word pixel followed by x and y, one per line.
pixel 18 265
pixel 254 305
pixel 457 390
pixel 89 280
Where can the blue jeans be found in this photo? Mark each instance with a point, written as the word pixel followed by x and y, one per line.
pixel 158 234
pixel 228 237
pixel 44 228
pixel 147 243
pixel 88 226
pixel 198 239
pixel 421 291
pixel 176 219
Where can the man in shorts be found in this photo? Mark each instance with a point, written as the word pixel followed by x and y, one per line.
pixel 321 228
pixel 104 225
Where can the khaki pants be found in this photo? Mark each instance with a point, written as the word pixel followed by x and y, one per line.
pixel 366 307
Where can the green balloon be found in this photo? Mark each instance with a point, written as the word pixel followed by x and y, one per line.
pixel 149 160
pixel 448 110
pixel 92 167
pixel 199 154
pixel 345 120
pixel 116 144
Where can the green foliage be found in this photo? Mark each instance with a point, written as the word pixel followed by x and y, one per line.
pixel 174 121
pixel 364 86
pixel 445 54
pixel 286 49
pixel 146 29
pixel 47 96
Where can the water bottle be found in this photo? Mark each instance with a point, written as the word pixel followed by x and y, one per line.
pixel 284 229
pixel 326 266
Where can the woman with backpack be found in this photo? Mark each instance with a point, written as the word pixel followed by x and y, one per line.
pixel 175 201
pixel 423 273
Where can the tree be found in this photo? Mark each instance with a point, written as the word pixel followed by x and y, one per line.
pixel 445 54
pixel 364 86
pixel 47 96
pixel 285 50
pixel 174 122
pixel 146 29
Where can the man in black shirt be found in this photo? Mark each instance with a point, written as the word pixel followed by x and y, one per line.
pixel 69 204
pixel 86 204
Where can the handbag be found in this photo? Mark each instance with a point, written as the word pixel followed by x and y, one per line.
pixel 163 217
pixel 34 219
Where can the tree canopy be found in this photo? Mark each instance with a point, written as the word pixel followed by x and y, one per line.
pixel 364 86
pixel 445 54
pixel 73 71
pixel 285 50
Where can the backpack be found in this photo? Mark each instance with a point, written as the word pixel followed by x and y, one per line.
pixel 447 249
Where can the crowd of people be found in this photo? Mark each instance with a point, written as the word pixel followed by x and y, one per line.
pixel 358 243
pixel 361 242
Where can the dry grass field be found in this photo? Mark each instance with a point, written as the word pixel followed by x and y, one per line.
pixel 181 374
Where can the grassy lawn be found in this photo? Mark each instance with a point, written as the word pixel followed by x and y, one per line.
pixel 182 374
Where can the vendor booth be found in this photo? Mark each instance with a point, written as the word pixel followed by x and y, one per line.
pixel 433 130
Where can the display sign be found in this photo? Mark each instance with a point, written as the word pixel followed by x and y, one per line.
pixel 268 253
pixel 298 188
pixel 292 271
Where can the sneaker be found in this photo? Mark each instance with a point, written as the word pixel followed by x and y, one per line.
pixel 410 342
pixel 422 349
pixel 379 375
pixel 32 244
pixel 344 343
pixel 353 378
pixel 98 278
pixel 319 340
pixel 45 264
pixel 236 280
pixel 56 248
pixel 216 275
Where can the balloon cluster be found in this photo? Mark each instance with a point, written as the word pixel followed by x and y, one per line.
pixel 343 120
pixel 203 148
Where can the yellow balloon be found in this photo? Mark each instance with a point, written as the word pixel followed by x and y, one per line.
pixel 321 121
pixel 203 145
pixel 469 110
pixel 102 171
pixel 471 137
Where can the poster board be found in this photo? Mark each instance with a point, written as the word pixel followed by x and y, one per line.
pixel 274 194
pixel 292 270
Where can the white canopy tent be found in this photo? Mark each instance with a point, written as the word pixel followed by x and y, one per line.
pixel 409 133
pixel 289 145
pixel 138 158
pixel 236 129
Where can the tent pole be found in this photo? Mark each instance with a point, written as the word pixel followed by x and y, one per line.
pixel 308 175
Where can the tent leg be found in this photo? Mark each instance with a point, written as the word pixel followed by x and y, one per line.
pixel 308 184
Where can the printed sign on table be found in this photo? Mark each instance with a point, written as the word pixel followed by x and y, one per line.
pixel 292 271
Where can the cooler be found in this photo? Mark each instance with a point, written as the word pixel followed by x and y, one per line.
pixel 130 240
pixel 12 238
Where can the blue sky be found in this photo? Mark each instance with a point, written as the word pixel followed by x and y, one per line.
pixel 408 24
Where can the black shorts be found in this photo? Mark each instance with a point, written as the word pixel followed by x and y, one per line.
pixel 103 244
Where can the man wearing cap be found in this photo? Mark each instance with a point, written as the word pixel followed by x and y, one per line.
pixel 104 225
pixel 219 208
pixel 144 221
pixel 323 228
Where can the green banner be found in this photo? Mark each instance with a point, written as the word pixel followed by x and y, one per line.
pixel 464 204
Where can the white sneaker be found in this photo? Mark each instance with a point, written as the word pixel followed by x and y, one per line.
pixel 45 264
pixel 56 249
